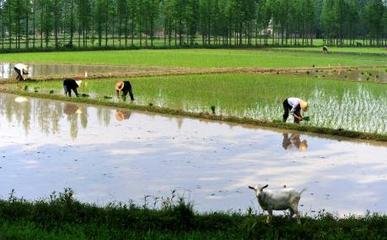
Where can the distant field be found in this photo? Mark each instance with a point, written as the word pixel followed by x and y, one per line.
pixel 202 58
pixel 334 104
pixel 353 50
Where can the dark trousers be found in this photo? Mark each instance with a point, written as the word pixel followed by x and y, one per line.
pixel 127 89
pixel 68 85
pixel 68 89
pixel 19 76
pixel 287 108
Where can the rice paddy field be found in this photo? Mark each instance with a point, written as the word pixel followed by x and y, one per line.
pixel 115 152
pixel 207 58
pixel 336 104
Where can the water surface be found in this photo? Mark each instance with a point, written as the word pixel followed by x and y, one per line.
pixel 108 154
pixel 36 71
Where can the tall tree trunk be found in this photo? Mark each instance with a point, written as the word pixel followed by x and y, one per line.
pixel 27 28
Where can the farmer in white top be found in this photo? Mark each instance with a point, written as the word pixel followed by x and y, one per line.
pixel 20 69
pixel 294 105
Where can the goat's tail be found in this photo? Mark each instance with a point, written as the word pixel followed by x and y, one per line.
pixel 303 190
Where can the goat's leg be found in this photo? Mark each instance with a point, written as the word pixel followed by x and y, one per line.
pixel 294 209
pixel 269 216
pixel 291 213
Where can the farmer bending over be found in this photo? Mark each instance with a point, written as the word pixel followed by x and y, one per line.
pixel 325 49
pixel 294 105
pixel 69 85
pixel 125 87
pixel 20 69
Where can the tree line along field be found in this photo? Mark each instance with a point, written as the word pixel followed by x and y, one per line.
pixel 211 58
pixel 101 23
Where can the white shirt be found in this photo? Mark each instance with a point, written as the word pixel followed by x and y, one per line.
pixel 294 102
pixel 22 67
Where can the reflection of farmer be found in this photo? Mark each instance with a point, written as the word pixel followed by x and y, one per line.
pixel 294 106
pixel 20 69
pixel 71 85
pixel 70 109
pixel 294 141
pixel 122 115
pixel 125 87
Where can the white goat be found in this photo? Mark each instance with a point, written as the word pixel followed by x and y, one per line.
pixel 283 199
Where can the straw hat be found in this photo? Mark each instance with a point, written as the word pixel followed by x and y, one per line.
pixel 304 105
pixel 122 115
pixel 303 146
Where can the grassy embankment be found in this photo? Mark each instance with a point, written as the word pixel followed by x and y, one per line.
pixel 337 107
pixel 63 217
pixel 202 58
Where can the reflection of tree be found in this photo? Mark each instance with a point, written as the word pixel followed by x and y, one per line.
pixel 21 112
pixel 84 116
pixel 179 122
pixel 104 116
pixel 294 141
pixel 73 111
pixel 47 115
pixel 73 120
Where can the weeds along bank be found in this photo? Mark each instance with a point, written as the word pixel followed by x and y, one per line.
pixel 338 107
pixel 63 217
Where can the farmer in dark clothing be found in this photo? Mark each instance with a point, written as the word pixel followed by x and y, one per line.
pixel 20 70
pixel 325 49
pixel 294 106
pixel 125 87
pixel 69 85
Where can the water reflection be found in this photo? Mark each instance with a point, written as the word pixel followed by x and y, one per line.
pixel 122 115
pixel 47 70
pixel 294 141
pixel 104 159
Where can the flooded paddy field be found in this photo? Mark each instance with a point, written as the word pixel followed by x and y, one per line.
pixel 38 71
pixel 51 71
pixel 108 154
pixel 334 104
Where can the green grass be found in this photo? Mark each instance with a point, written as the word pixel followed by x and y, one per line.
pixel 199 58
pixel 340 105
pixel 339 50
pixel 63 217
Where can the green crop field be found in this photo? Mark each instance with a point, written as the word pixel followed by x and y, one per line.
pixel 338 50
pixel 202 58
pixel 334 104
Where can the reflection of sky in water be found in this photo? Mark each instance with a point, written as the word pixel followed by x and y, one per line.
pixel 44 70
pixel 106 155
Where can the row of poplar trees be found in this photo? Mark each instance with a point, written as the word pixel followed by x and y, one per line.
pixel 124 23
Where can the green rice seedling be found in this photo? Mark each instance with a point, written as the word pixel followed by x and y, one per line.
pixel 206 58
pixel 334 103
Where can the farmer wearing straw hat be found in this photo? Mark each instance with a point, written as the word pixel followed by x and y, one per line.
pixel 20 69
pixel 294 106
pixel 69 85
pixel 125 87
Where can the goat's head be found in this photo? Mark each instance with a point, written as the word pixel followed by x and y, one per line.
pixel 258 188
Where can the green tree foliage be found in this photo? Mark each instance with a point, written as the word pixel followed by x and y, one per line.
pixel 56 23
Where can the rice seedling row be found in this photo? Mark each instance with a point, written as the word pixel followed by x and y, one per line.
pixel 353 106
